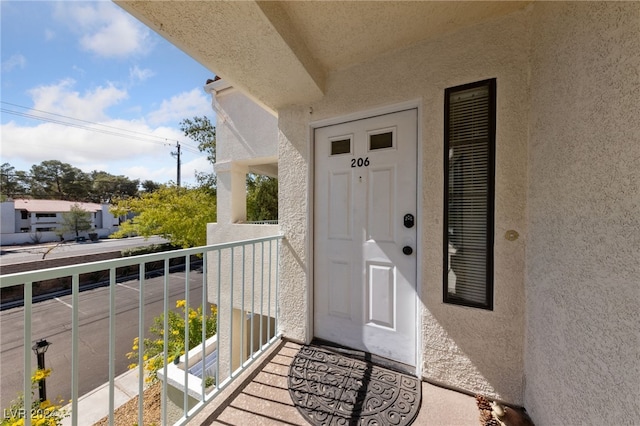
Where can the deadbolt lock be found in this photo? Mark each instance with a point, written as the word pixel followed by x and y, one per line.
pixel 408 220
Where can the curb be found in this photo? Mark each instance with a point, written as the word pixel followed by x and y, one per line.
pixel 94 405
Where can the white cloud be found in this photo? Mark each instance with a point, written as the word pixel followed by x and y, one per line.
pixel 198 164
pixel 118 143
pixel 15 61
pixel 136 74
pixel 156 174
pixel 137 155
pixel 79 70
pixel 143 153
pixel 49 34
pixel 78 146
pixel 181 106
pixel 169 171
pixel 105 29
pixel 60 98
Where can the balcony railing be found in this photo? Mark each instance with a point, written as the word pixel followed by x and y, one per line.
pixel 261 222
pixel 240 278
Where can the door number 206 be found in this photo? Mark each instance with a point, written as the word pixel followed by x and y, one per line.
pixel 360 162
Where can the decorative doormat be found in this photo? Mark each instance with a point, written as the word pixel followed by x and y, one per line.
pixel 329 388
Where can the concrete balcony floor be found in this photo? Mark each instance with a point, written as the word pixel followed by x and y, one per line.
pixel 261 397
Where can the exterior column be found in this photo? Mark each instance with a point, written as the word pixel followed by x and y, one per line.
pixel 231 192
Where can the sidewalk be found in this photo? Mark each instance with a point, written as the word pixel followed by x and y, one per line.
pixel 94 405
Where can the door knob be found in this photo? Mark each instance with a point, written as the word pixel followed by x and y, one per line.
pixel 407 250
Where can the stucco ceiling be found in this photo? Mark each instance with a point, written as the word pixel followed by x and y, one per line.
pixel 281 52
pixel 340 34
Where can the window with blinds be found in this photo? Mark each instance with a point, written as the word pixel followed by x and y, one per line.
pixel 469 165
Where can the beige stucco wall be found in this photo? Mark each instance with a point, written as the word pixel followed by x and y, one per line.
pixel 246 135
pixel 473 349
pixel 583 254
pixel 294 205
pixel 246 141
pixel 254 270
pixel 244 130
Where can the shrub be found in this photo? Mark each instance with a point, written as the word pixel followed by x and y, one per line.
pixel 153 348
pixel 43 413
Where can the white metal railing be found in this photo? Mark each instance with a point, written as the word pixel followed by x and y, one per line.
pixel 240 276
pixel 261 222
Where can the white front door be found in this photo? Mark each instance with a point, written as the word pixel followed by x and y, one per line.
pixel 365 235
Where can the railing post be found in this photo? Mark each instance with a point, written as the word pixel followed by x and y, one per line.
pixel 75 348
pixel 253 292
pixel 187 270
pixel 277 303
pixel 141 331
pixel 261 294
pixel 204 321
pixel 28 299
pixel 218 324
pixel 165 346
pixel 242 314
pixel 269 292
pixel 231 315
pixel 112 342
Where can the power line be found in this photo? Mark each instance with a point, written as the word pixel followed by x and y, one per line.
pixel 116 131
pixel 84 121
pixel 79 126
pixel 190 149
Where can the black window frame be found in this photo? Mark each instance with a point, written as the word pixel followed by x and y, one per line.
pixel 490 216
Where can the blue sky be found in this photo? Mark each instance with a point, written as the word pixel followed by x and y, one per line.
pixel 91 64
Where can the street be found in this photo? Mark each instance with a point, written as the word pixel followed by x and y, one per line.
pixel 51 319
pixel 34 252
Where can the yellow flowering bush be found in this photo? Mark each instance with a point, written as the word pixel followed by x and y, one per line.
pixel 43 413
pixel 153 348
pixel 40 375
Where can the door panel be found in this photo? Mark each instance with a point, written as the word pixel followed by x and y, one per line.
pixel 339 293
pixel 381 291
pixel 340 205
pixel 382 203
pixel 364 285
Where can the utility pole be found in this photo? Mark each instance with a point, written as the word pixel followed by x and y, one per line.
pixel 177 155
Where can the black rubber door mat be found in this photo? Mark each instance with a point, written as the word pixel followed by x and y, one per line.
pixel 329 388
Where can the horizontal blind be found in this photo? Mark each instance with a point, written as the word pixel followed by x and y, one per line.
pixel 468 186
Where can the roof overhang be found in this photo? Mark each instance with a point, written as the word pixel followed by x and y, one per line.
pixel 53 206
pixel 239 43
pixel 281 52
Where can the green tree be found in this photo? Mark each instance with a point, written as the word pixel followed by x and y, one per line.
pixel 12 182
pixel 150 186
pixel 53 179
pixel 176 213
pixel 107 187
pixel 262 198
pixel 75 220
pixel 200 130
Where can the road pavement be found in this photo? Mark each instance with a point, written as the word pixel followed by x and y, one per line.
pixel 34 252
pixel 51 319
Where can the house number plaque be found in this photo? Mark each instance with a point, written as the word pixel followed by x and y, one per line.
pixel 360 162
